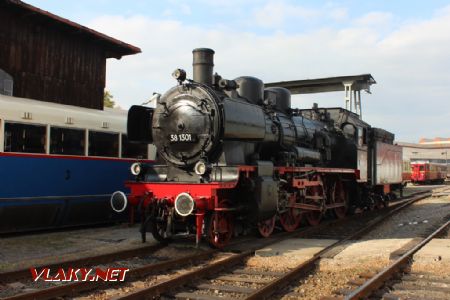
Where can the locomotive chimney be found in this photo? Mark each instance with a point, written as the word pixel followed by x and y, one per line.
pixel 203 63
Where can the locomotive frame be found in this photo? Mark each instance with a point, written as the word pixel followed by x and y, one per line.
pixel 304 183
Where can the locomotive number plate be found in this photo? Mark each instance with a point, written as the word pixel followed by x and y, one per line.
pixel 183 138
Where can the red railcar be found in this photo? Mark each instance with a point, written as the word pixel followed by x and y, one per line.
pixel 426 172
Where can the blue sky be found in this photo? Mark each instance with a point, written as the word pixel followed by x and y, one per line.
pixel 403 44
pixel 214 14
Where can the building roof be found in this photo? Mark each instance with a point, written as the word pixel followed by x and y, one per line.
pixel 329 84
pixel 435 141
pixel 114 48
pixel 423 146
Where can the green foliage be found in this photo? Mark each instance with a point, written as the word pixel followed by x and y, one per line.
pixel 108 100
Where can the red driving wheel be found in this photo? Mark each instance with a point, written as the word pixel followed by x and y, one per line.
pixel 219 227
pixel 290 219
pixel 340 196
pixel 266 227
pixel 315 216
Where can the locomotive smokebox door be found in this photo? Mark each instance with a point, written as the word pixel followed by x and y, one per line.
pixel 266 192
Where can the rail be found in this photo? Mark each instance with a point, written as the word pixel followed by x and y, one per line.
pixel 379 279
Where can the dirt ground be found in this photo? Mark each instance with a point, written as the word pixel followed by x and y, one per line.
pixel 23 251
pixel 415 220
pixel 434 258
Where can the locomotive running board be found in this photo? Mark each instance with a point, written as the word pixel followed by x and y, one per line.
pixel 282 170
pixel 315 207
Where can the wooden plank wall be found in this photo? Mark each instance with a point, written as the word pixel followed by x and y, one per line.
pixel 49 62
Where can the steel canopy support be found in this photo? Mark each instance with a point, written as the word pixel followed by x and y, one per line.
pixel 352 97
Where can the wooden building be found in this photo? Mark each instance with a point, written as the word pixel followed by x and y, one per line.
pixel 50 58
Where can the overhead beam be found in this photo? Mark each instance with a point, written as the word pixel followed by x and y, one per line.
pixel 323 85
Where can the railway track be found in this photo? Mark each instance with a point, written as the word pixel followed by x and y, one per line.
pixel 409 286
pixel 230 278
pixel 135 273
pixel 260 284
pixel 77 287
pixel 441 192
pixel 10 276
pixel 207 263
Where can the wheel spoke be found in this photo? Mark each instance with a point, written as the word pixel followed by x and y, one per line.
pixel 290 219
pixel 314 217
pixel 219 227
pixel 159 227
pixel 266 227
pixel 340 196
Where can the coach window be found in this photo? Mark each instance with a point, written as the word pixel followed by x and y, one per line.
pixel 66 141
pixel 25 138
pixel 103 144
pixel 133 150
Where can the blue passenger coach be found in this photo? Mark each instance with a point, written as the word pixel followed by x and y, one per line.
pixel 59 164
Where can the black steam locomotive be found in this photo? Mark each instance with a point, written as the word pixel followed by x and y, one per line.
pixel 236 156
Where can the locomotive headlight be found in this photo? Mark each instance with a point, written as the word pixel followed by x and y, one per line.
pixel 200 168
pixel 136 169
pixel 184 204
pixel 179 74
pixel 119 201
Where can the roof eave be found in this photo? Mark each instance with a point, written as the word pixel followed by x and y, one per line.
pixel 115 48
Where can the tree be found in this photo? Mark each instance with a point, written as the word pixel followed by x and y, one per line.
pixel 108 100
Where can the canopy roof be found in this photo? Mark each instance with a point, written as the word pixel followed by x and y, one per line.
pixel 329 84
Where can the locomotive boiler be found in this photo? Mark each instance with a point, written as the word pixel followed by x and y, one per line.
pixel 235 156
